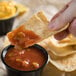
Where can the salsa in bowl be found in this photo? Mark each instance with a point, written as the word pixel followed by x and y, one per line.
pixel 25 62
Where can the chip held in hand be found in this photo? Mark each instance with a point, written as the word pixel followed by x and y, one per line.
pixel 32 31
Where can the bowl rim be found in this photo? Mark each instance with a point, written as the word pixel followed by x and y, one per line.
pixel 35 45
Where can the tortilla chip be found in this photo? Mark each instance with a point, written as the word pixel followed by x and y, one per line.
pixel 21 9
pixel 62 57
pixel 62 49
pixel 34 24
pixel 67 63
pixel 38 25
pixel 69 40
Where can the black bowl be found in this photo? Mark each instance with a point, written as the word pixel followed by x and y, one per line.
pixel 7 24
pixel 13 72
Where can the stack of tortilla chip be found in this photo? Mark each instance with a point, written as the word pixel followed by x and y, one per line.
pixel 63 57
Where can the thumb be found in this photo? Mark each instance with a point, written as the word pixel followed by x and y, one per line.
pixel 63 17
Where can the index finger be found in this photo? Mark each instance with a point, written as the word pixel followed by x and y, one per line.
pixel 63 17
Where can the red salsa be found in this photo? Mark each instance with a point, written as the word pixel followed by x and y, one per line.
pixel 23 38
pixel 25 60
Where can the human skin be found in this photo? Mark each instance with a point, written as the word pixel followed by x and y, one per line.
pixel 62 18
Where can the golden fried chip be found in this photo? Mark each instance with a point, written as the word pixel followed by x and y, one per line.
pixel 37 26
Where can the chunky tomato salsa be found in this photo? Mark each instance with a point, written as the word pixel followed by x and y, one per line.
pixel 25 60
pixel 22 38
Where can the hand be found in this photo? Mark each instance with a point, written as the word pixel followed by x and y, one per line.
pixel 65 16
